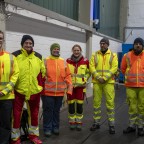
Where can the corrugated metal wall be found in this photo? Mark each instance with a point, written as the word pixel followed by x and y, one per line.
pixel 109 13
pixel 68 8
pixel 109 17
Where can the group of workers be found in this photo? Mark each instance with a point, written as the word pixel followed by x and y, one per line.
pixel 26 77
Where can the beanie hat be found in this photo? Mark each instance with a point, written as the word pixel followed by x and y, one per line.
pixel 54 45
pixel 26 37
pixel 139 40
pixel 105 40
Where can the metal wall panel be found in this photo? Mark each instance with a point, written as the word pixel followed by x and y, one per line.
pixel 109 17
pixel 68 8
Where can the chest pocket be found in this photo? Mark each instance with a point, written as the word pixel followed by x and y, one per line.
pixel 82 70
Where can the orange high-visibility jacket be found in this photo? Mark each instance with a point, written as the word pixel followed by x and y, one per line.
pixel 58 77
pixel 133 67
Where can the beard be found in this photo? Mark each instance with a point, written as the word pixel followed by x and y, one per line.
pixel 137 51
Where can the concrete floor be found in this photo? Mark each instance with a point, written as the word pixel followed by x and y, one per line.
pixel 100 136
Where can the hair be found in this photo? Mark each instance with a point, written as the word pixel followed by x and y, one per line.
pixel 76 45
pixel 2 33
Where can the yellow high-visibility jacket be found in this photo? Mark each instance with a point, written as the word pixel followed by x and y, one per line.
pixel 79 71
pixel 30 66
pixel 103 66
pixel 9 73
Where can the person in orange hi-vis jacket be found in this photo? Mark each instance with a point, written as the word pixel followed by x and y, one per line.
pixel 58 81
pixel 132 67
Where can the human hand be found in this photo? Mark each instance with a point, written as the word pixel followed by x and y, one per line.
pixel 101 80
pixel 1 94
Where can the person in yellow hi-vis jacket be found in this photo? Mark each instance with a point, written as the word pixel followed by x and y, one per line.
pixel 28 89
pixel 9 73
pixel 79 67
pixel 103 66
pixel 132 67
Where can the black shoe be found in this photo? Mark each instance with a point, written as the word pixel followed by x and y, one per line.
pixel 111 129
pixel 79 127
pixel 94 127
pixel 129 130
pixel 140 132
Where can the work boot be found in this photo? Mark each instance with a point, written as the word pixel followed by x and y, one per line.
pixel 79 126
pixel 35 139
pixel 94 127
pixel 18 141
pixel 129 130
pixel 56 131
pixel 111 129
pixel 140 132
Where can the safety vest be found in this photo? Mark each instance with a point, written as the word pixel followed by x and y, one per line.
pixel 104 66
pixel 134 75
pixel 9 73
pixel 58 78
pixel 79 71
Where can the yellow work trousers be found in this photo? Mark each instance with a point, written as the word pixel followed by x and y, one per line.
pixel 135 101
pixel 109 92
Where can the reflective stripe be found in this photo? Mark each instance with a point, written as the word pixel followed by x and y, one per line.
pixel 4 83
pixel 54 83
pixel 7 90
pixel 71 101
pixel 132 74
pixel 79 101
pixel 71 118
pixel 15 134
pixel 134 80
pixel 34 130
pixel 79 75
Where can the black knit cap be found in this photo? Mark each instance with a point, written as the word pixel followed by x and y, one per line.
pixel 105 40
pixel 26 37
pixel 139 40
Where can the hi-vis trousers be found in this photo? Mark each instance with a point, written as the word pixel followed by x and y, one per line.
pixel 109 92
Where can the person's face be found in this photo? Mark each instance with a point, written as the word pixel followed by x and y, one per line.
pixel 28 46
pixel 56 51
pixel 103 46
pixel 76 51
pixel 1 40
pixel 138 47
